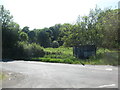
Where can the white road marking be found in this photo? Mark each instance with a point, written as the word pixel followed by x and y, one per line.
pixel 109 69
pixel 107 85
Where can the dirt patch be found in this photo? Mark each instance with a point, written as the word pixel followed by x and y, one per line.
pixel 11 79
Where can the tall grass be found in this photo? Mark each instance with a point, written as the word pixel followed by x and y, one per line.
pixel 65 55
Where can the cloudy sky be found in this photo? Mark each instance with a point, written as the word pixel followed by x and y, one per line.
pixel 46 13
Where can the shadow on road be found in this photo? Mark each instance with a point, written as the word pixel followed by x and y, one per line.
pixel 7 60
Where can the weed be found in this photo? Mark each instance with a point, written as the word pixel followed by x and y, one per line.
pixel 65 55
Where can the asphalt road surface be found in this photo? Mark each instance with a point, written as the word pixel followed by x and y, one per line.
pixel 29 74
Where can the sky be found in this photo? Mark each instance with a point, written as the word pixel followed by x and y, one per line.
pixel 45 13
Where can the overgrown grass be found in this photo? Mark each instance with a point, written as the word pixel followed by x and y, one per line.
pixel 65 55
pixel 59 55
pixel 104 57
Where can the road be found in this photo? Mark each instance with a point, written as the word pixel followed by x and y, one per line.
pixel 29 74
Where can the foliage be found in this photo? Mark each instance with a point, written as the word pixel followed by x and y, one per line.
pixel 5 17
pixel 25 29
pixel 65 55
pixel 55 30
pixel 32 36
pixel 58 55
pixel 99 28
pixel 109 21
pixel 43 38
pixel 55 44
pixel 84 32
pixel 9 33
pixel 30 50
pixel 23 36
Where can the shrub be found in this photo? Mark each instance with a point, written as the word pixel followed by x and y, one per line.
pixel 68 61
pixel 23 36
pixel 55 44
pixel 25 50
pixel 36 50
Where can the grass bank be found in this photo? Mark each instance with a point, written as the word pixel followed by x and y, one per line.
pixel 65 55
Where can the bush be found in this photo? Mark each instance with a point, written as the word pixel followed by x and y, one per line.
pixel 55 44
pixel 26 50
pixel 23 36
pixel 68 61
pixel 36 50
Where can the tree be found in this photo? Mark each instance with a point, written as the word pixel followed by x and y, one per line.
pixel 43 38
pixel 32 36
pixel 65 31
pixel 9 33
pixel 90 34
pixel 86 31
pixel 23 36
pixel 109 21
pixel 5 17
pixel 55 31
pixel 9 29
pixel 25 29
